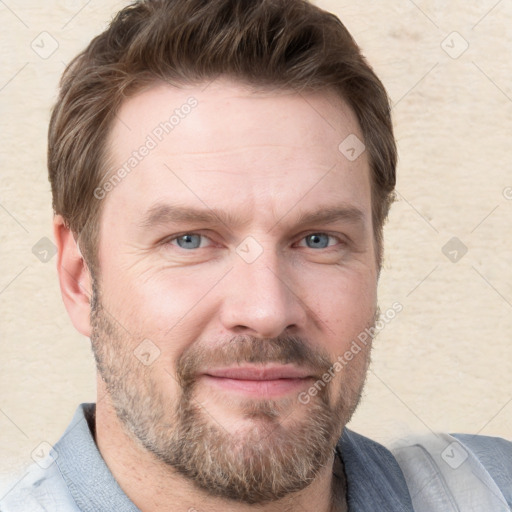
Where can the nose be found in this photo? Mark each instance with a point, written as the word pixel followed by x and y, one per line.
pixel 261 300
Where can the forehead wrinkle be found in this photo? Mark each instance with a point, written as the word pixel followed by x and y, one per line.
pixel 243 146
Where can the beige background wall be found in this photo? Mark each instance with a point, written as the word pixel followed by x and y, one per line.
pixel 445 362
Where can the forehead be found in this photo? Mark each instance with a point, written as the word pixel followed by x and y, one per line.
pixel 257 108
pixel 226 144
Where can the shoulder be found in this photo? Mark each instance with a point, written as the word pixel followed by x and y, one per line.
pixel 40 488
pixel 495 455
pixel 457 469
pixel 488 448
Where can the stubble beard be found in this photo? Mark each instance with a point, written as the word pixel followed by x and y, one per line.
pixel 276 456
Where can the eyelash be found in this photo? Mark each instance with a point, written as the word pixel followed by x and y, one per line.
pixel 168 241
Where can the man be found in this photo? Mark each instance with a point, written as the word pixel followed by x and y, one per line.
pixel 221 171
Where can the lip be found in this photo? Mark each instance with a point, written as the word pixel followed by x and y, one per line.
pixel 260 373
pixel 258 381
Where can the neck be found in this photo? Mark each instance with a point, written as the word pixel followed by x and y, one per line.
pixel 154 486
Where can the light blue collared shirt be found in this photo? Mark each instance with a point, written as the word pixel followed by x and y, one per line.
pixel 75 478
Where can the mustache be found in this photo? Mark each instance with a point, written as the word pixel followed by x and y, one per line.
pixel 249 349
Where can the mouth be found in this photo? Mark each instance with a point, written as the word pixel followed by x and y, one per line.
pixel 259 381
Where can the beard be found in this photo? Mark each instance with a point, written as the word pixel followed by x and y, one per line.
pixel 281 445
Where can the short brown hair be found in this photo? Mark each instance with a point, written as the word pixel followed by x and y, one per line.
pixel 286 44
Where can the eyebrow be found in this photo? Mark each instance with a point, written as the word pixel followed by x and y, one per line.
pixel 163 214
pixel 330 215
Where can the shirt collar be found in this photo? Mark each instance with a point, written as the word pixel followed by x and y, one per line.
pixel 90 482
pixel 374 478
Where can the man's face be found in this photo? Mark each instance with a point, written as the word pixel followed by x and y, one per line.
pixel 242 239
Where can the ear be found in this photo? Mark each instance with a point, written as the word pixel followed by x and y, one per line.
pixel 74 277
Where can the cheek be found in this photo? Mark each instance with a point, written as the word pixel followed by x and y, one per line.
pixel 167 306
pixel 346 306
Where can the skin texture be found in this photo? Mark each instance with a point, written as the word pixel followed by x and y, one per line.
pixel 257 291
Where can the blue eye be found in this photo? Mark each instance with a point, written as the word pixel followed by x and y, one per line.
pixel 318 240
pixel 189 241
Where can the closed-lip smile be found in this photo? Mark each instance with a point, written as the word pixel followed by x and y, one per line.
pixel 257 380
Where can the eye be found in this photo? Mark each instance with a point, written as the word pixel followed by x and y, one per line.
pixel 189 241
pixel 319 240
